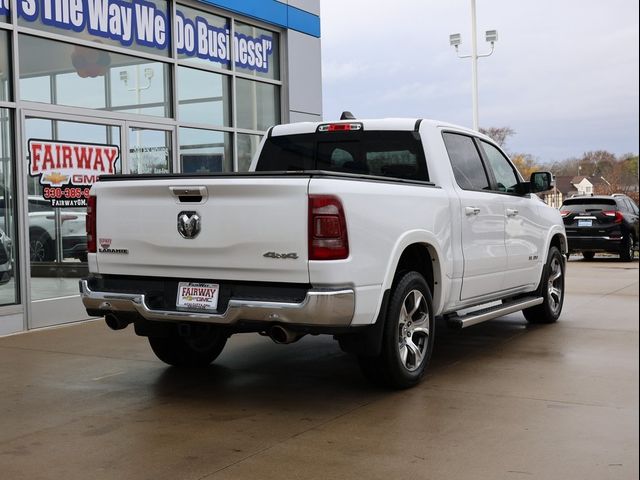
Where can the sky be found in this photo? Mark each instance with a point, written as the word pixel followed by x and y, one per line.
pixel 563 76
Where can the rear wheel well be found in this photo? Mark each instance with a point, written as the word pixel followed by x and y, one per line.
pixel 560 243
pixel 417 257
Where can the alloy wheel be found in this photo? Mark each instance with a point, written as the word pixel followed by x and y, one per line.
pixel 413 330
pixel 554 287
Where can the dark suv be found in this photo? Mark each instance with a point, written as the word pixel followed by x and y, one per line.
pixel 601 223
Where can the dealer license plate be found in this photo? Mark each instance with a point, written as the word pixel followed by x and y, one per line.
pixel 197 296
pixel 585 223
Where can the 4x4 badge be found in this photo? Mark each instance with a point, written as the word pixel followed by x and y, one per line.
pixel 189 224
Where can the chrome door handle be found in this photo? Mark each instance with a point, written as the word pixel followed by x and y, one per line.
pixel 471 210
pixel 511 212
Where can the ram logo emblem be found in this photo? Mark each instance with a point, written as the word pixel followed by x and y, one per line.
pixel 189 224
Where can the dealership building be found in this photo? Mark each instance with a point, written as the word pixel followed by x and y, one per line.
pixel 91 87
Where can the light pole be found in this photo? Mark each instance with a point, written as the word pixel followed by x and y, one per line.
pixel 455 40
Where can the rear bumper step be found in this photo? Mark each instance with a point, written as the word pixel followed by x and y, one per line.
pixel 479 316
pixel 323 307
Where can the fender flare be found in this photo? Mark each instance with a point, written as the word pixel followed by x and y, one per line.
pixel 555 230
pixel 428 239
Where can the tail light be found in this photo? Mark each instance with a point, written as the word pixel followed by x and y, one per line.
pixel 615 214
pixel 328 238
pixel 564 213
pixel 91 224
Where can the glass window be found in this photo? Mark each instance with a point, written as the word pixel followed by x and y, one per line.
pixel 203 97
pixel 140 87
pixel 247 147
pixel 8 238
pixel 204 151
pixel 588 204
pixel 57 197
pixel 5 15
pixel 288 153
pixel 5 70
pixel 380 153
pixel 506 177
pixel 202 38
pixel 623 205
pixel 149 150
pixel 258 104
pixel 65 74
pixel 466 162
pixel 257 51
pixel 144 28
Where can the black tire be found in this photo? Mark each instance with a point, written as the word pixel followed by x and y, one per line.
pixel 626 249
pixel 41 246
pixel 588 255
pixel 407 341
pixel 551 289
pixel 196 350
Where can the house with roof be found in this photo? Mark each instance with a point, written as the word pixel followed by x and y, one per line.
pixel 567 186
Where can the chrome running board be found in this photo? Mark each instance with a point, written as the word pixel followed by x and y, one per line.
pixel 479 316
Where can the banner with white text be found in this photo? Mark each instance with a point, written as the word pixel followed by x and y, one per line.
pixel 144 24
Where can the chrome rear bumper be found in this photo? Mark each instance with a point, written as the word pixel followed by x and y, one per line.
pixel 322 307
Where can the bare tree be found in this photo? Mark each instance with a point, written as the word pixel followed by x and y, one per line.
pixel 498 134
pixel 597 163
pixel 622 178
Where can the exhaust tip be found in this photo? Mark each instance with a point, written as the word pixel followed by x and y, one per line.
pixel 283 335
pixel 115 323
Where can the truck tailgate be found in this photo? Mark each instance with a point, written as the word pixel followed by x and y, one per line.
pixel 242 219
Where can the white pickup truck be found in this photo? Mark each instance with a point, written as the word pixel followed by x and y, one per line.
pixel 363 229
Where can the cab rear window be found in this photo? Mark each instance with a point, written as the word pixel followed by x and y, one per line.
pixel 396 154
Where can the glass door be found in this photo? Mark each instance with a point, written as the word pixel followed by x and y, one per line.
pixel 63 158
pixel 149 149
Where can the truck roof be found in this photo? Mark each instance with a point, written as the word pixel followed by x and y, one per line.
pixel 368 124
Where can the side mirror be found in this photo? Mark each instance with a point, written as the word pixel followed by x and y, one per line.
pixel 541 182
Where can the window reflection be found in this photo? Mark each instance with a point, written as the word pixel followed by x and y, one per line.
pixel 74 75
pixel 5 72
pixel 258 104
pixel 149 150
pixel 247 147
pixel 203 97
pixel 8 281
pixel 204 151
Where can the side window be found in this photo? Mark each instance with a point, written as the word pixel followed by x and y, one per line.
pixel 634 207
pixel 630 206
pixel 622 204
pixel 466 162
pixel 506 176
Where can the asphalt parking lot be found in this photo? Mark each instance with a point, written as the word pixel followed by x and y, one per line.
pixel 502 400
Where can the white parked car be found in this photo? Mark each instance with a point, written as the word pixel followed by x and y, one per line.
pixel 366 230
pixel 42 230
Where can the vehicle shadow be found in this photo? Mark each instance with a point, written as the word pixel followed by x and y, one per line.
pixel 254 369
